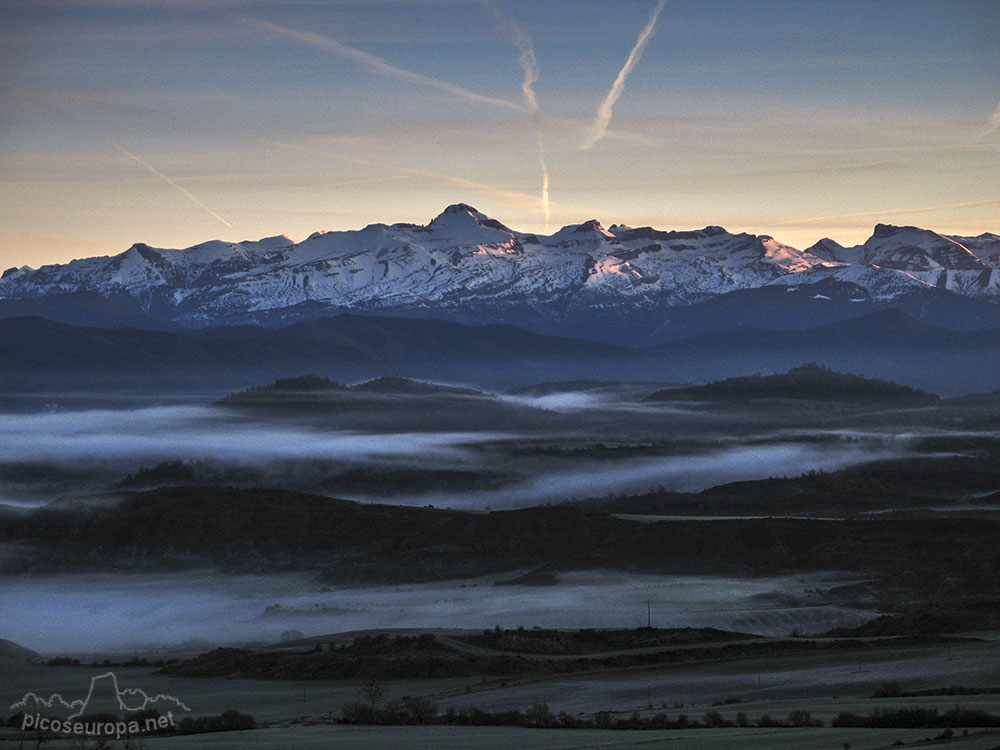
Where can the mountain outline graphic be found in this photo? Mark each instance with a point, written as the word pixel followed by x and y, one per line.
pixel 80 706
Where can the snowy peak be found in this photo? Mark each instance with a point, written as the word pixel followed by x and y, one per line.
pixel 588 236
pixel 872 282
pixel 833 252
pixel 593 227
pixel 462 215
pixel 279 240
pixel 985 246
pixel 467 265
pixel 676 238
pixel 785 256
pixel 460 208
pixel 13 273
pixel 140 263
pixel 914 249
pixel 932 257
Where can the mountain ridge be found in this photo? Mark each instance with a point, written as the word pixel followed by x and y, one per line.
pixel 467 267
pixel 887 344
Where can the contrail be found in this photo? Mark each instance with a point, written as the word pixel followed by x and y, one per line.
pixel 994 123
pixel 529 64
pixel 603 117
pixel 170 182
pixel 811 219
pixel 33 94
pixel 377 64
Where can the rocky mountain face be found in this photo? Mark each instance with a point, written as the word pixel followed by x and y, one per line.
pixel 467 267
pixel 966 265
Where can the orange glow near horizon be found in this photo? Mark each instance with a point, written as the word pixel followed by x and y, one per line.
pixel 793 123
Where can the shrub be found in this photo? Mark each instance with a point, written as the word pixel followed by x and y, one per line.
pixel 357 713
pixel 766 721
pixel 803 719
pixel 888 689
pixel 715 719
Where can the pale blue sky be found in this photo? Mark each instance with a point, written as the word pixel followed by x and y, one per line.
pixel 274 117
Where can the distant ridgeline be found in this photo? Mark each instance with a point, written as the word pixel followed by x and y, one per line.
pixel 400 403
pixel 391 384
pixel 56 357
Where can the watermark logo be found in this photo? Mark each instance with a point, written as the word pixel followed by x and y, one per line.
pixel 125 700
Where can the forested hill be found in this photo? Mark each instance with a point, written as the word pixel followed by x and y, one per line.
pixel 810 381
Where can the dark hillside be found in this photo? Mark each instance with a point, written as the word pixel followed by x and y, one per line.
pixel 810 381
pixel 264 530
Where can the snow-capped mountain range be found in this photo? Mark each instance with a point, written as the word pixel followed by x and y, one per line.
pixel 465 265
pixel 966 265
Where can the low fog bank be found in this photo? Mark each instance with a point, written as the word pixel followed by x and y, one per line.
pixel 571 401
pixel 51 402
pixel 689 473
pixel 50 455
pixel 121 613
pixel 199 433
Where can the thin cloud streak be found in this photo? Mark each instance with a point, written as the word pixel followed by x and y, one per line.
pixel 510 198
pixel 170 182
pixel 529 65
pixel 923 209
pixel 604 112
pixel 369 180
pixel 882 149
pixel 375 63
